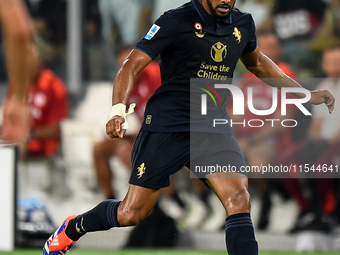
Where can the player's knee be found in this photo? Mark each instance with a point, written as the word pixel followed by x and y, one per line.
pixel 238 201
pixel 130 217
pixel 99 150
pixel 133 218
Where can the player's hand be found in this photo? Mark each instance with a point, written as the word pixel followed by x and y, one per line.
pixel 322 96
pixel 117 125
pixel 16 122
pixel 114 127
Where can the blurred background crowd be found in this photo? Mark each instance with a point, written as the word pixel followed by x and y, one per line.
pixel 68 156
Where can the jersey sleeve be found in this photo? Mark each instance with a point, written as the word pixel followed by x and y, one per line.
pixel 160 36
pixel 252 43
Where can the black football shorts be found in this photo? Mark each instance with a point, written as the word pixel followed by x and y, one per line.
pixel 156 156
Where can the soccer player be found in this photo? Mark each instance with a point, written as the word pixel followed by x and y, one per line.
pixel 18 37
pixel 189 39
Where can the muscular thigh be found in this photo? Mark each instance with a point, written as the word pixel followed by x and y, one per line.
pixel 228 181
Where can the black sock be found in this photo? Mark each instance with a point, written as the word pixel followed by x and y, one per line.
pixel 101 217
pixel 240 237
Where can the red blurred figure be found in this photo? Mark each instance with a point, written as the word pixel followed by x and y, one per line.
pixel 48 105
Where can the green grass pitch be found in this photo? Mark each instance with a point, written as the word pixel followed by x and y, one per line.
pixel 154 252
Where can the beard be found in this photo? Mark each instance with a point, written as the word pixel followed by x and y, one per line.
pixel 214 10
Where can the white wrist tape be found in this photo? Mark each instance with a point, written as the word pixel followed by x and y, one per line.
pixel 120 110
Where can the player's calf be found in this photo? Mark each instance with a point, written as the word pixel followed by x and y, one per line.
pixel 233 193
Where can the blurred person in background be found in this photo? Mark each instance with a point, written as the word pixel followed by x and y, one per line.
pixel 160 6
pixel 123 22
pixel 322 147
pixel 48 104
pixel 296 24
pixel 144 86
pixel 329 32
pixel 95 54
pixel 261 10
pixel 50 24
pixel 261 145
pixel 115 12
pixel 18 39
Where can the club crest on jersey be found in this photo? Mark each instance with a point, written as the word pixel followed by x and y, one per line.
pixel 200 33
pixel 141 170
pixel 237 34
pixel 152 32
pixel 218 52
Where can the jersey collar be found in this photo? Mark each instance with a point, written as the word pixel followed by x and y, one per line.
pixel 206 17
